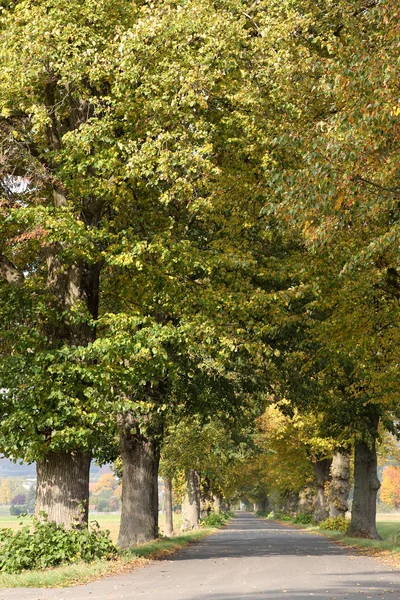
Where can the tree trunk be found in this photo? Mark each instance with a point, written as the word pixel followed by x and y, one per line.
pixel 217 501
pixel 62 490
pixel 169 524
pixel 366 486
pixel 139 513
pixel 339 487
pixel 191 501
pixel 307 500
pixel 291 502
pixel 261 506
pixel 322 474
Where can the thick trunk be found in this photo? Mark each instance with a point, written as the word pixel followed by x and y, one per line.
pixel 322 475
pixel 191 501
pixel 307 500
pixel 261 506
pixel 339 487
pixel 139 513
pixel 366 486
pixel 62 490
pixel 217 501
pixel 290 502
pixel 169 523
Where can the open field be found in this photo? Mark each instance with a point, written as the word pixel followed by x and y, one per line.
pixel 106 521
pixel 388 517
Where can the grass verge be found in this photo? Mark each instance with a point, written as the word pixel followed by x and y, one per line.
pixel 79 573
pixel 387 549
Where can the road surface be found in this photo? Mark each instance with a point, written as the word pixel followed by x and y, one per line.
pixel 250 559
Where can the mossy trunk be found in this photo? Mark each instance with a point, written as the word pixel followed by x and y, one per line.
pixel 191 501
pixel 261 506
pixel 217 502
pixel 62 490
pixel 322 477
pixel 366 486
pixel 307 500
pixel 139 512
pixel 339 486
pixel 290 502
pixel 169 523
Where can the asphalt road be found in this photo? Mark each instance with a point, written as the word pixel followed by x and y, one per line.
pixel 250 559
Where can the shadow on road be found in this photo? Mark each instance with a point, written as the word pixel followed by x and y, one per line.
pixel 345 589
pixel 260 538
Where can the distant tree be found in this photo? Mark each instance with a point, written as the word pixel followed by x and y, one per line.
pixel 113 504
pixel 103 505
pixel 19 499
pixel 106 482
pixel 5 492
pixel 390 488
pixel 31 500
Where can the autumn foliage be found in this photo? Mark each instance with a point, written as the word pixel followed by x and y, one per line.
pixel 390 489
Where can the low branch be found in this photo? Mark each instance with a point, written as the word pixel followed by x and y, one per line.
pixel 391 190
pixel 9 272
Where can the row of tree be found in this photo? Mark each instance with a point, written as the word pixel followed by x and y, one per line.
pixel 199 210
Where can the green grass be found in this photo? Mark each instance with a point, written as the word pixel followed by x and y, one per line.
pixel 82 573
pixel 388 547
pixel 389 530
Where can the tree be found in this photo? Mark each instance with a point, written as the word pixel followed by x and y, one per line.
pixel 335 183
pixel 19 499
pixel 107 481
pixel 5 492
pixel 390 489
pixel 56 205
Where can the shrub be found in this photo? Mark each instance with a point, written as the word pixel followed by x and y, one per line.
pixel 281 516
pixel 42 543
pixel 303 518
pixel 215 519
pixel 335 524
pixel 102 505
pixel 16 511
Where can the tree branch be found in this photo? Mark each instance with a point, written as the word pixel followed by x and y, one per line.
pixel 391 190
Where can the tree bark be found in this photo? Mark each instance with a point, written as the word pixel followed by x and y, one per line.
pixel 366 486
pixel 322 475
pixel 307 500
pixel 217 501
pixel 261 506
pixel 62 490
pixel 139 513
pixel 10 273
pixel 169 523
pixel 339 487
pixel 191 501
pixel 290 502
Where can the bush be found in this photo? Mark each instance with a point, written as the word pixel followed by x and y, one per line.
pixel 281 516
pixel 216 519
pixel 335 524
pixel 303 519
pixel 42 543
pixel 16 511
pixel 103 505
